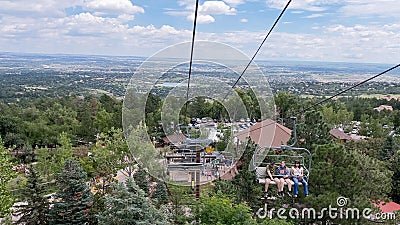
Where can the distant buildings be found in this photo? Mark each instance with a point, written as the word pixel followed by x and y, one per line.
pixel 340 135
pixel 384 107
pixel 389 97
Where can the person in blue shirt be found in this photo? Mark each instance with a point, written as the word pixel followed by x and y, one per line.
pixel 283 174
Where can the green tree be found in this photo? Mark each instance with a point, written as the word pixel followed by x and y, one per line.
pixel 74 198
pixel 50 163
pixel 339 116
pixel 312 130
pixel 389 149
pixel 221 210
pixel 110 154
pixel 103 121
pixel 160 194
pixel 35 209
pixel 129 205
pixel 396 178
pixel 247 189
pixel 142 180
pixel 287 104
pixel 352 174
pixel 6 174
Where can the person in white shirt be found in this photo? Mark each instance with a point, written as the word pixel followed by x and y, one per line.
pixel 298 176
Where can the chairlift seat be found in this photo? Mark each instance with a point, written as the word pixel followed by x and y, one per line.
pixel 261 173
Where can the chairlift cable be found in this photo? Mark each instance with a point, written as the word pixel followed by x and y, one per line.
pixel 262 43
pixel 191 55
pixel 348 89
pixel 333 96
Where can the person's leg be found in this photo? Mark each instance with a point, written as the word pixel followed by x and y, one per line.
pixel 289 184
pixel 282 184
pixel 305 187
pixel 296 186
pixel 278 184
pixel 267 181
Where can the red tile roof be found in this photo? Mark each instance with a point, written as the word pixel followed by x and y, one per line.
pixel 174 138
pixel 388 207
pixel 266 133
pixel 339 134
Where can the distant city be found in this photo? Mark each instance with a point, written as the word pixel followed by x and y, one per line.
pixel 27 76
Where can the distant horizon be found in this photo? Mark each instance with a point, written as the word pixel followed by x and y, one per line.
pixel 146 57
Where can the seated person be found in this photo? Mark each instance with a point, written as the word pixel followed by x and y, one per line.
pixel 284 176
pixel 298 176
pixel 271 176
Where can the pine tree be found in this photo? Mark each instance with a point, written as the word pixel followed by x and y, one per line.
pixel 140 178
pixel 388 150
pixel 6 174
pixel 396 179
pixel 351 174
pixel 74 199
pixel 36 207
pixel 247 189
pixel 312 130
pixel 128 205
pixel 160 195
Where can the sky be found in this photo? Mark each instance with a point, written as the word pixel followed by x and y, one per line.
pixel 310 30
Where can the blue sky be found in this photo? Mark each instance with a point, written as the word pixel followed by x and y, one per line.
pixel 317 30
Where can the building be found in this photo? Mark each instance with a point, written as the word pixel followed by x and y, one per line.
pixel 388 207
pixel 174 139
pixel 266 133
pixel 390 97
pixel 339 135
pixel 384 107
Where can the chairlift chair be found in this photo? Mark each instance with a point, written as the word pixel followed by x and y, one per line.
pixel 262 157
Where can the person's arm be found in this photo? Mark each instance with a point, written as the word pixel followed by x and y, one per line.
pixel 278 172
pixel 287 174
pixel 301 172
pixel 269 174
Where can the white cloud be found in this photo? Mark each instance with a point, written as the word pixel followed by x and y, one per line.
pixel 113 7
pixel 216 8
pixel 315 15
pixel 45 27
pixel 387 8
pixel 309 5
pixel 202 19
pixel 234 2
pixel 29 8
pixel 244 20
pixel 206 12
pixel 384 8
pixel 87 33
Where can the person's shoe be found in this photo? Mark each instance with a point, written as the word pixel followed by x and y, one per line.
pixel 306 196
pixel 295 196
pixel 289 194
pixel 265 194
pixel 282 194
